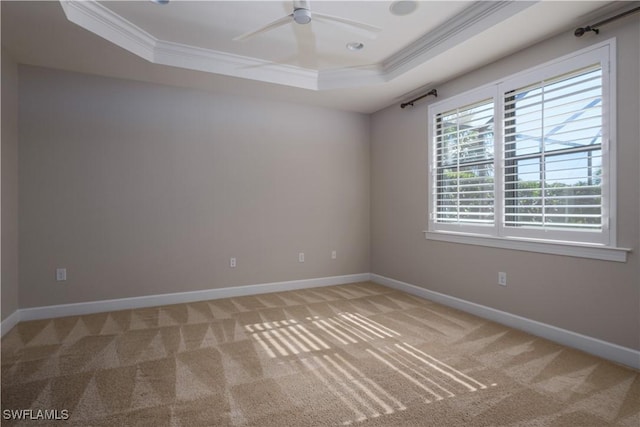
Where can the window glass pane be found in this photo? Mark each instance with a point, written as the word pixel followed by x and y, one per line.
pixel 553 158
pixel 448 196
pixel 476 193
pixel 573 190
pixel 464 164
pixel 523 122
pixel 574 169
pixel 573 111
pixel 465 134
pixel 525 170
pixel 523 204
pixel 559 113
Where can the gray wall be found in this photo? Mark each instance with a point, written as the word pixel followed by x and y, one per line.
pixel 9 167
pixel 142 189
pixel 596 298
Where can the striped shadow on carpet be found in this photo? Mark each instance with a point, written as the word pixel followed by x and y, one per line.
pixel 358 354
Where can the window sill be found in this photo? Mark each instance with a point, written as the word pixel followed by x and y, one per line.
pixel 600 252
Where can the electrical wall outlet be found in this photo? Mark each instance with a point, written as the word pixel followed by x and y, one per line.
pixel 61 274
pixel 301 257
pixel 232 262
pixel 334 254
pixel 502 278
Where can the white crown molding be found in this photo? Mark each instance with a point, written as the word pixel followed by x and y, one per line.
pixel 478 17
pixel 481 15
pixel 342 78
pixel 212 61
pixel 94 17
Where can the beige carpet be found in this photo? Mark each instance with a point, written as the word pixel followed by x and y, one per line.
pixel 358 354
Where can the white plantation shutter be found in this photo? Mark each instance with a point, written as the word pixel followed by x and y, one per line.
pixel 553 153
pixel 549 175
pixel 464 165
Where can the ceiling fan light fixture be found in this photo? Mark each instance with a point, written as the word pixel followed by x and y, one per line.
pixel 355 46
pixel 302 16
pixel 403 7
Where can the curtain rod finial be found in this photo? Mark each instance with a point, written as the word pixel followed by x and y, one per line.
pixel 432 92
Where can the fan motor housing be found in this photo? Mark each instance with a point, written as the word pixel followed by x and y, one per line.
pixel 302 16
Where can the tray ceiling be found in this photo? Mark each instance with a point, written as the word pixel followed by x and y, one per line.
pixel 190 44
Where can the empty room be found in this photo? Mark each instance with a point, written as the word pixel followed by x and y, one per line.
pixel 320 213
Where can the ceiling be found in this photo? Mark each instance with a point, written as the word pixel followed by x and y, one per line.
pixel 191 44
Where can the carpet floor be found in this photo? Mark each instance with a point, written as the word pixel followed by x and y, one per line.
pixel 358 354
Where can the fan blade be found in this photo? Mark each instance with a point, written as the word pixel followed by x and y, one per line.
pixel 275 24
pixel 307 46
pixel 361 28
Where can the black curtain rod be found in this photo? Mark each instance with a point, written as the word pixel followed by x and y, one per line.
pixel 580 31
pixel 431 92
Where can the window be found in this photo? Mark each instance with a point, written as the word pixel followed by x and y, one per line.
pixel 464 166
pixel 553 133
pixel 530 158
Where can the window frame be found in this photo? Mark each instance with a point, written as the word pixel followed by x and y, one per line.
pixel 469 98
pixel 560 242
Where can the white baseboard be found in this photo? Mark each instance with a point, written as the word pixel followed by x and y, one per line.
pixel 606 350
pixel 8 323
pixel 76 309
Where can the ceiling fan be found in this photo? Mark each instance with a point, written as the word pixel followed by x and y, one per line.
pixel 302 15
